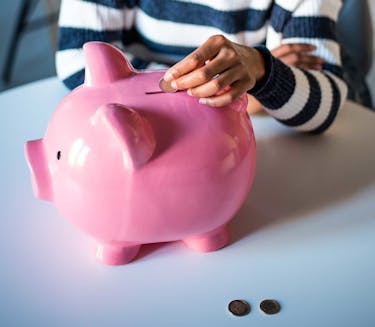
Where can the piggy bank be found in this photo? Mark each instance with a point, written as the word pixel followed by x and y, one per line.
pixel 131 168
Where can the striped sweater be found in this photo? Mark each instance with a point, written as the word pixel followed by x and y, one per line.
pixel 158 33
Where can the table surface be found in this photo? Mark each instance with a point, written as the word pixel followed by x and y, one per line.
pixel 305 237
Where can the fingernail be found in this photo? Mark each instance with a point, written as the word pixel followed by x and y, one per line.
pixel 168 77
pixel 174 85
pixel 189 92
pixel 203 101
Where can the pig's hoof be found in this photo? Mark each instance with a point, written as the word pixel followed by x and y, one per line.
pixel 113 255
pixel 211 241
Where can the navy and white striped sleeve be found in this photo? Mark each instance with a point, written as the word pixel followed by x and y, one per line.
pixel 307 100
pixel 90 20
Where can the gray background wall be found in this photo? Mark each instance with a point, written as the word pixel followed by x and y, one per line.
pixel 371 76
pixel 35 57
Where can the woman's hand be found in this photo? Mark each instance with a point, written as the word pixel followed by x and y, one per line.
pixel 298 55
pixel 218 72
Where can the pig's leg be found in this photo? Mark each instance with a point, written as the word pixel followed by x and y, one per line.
pixel 114 254
pixel 210 241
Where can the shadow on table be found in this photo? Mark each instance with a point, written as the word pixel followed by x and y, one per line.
pixel 298 174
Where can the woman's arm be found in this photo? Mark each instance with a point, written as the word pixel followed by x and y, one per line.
pixel 304 99
pixel 297 55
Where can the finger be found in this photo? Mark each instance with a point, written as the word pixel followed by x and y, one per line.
pixel 298 59
pixel 217 84
pixel 310 67
pixel 194 60
pixel 205 73
pixel 311 60
pixel 292 47
pixel 236 90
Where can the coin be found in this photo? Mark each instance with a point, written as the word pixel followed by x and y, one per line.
pixel 239 307
pixel 270 307
pixel 166 86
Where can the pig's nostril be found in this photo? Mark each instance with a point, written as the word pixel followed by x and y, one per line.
pixel 58 155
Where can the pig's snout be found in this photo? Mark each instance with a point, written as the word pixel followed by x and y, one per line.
pixel 40 177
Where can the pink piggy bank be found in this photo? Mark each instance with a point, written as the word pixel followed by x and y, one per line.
pixel 130 168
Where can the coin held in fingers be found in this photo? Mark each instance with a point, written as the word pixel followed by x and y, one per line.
pixel 166 86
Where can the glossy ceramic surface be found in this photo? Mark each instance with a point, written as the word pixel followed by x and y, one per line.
pixel 129 168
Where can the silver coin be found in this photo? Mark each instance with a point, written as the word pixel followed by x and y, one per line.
pixel 166 86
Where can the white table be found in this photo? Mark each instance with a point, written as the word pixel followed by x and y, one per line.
pixel 305 237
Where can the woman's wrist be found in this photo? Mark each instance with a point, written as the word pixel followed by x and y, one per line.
pixel 265 65
pixel 260 71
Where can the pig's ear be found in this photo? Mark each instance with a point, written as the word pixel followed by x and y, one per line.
pixel 130 130
pixel 105 64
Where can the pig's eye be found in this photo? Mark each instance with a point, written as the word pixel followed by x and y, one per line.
pixel 58 155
